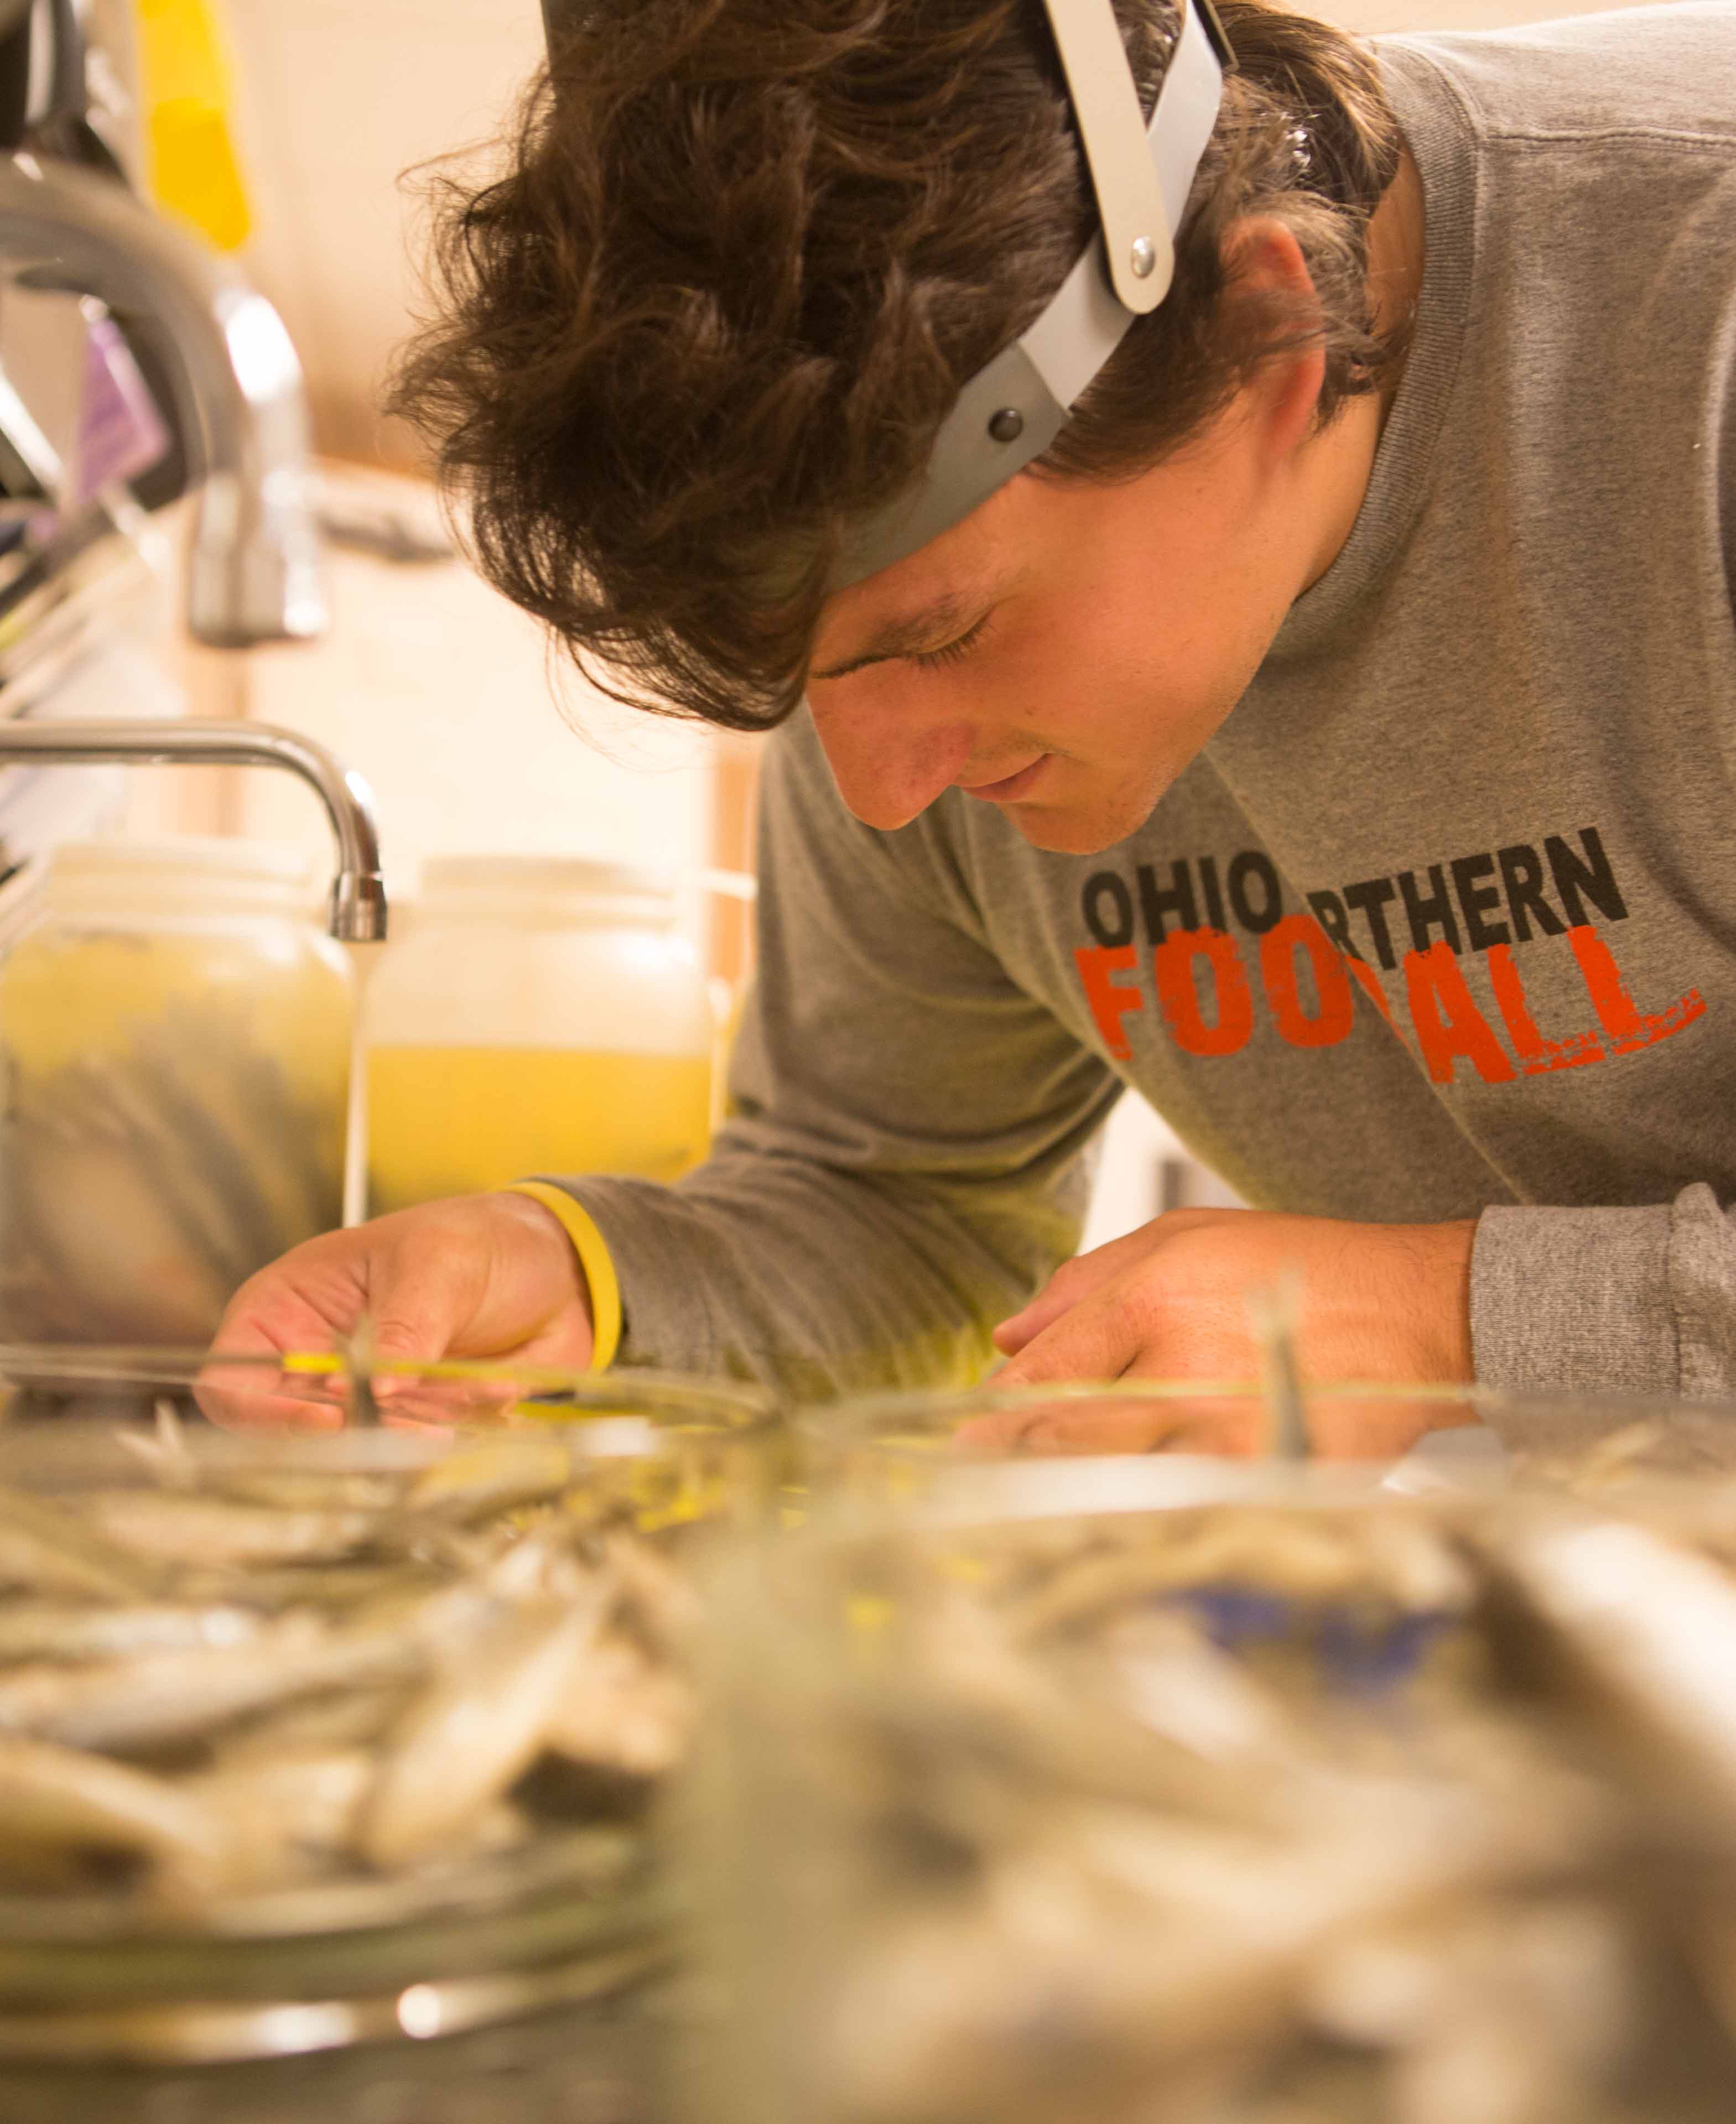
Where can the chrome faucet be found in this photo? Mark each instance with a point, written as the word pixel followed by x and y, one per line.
pixel 254 569
pixel 356 911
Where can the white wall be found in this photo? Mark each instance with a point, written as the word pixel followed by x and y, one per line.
pixel 338 99
pixel 446 699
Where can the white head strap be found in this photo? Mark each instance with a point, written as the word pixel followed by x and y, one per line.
pixel 1010 411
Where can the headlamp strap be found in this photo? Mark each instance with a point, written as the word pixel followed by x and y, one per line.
pixel 1112 128
pixel 1009 412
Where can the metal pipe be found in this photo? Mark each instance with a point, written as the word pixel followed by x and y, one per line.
pixel 357 910
pixel 254 571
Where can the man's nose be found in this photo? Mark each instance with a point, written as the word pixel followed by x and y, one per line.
pixel 887 776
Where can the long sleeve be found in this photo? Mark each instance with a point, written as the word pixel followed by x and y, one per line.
pixel 905 1156
pixel 1607 1301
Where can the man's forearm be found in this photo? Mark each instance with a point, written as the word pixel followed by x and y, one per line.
pixel 821 1280
pixel 1606 1301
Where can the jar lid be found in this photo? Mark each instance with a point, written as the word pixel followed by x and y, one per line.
pixel 208 855
pixel 190 867
pixel 570 886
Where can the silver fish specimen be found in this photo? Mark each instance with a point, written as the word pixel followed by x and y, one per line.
pixel 51 1630
pixel 279 1691
pixel 161 1699
pixel 56 1797
pixel 170 1527
pixel 475 1730
pixel 45 1549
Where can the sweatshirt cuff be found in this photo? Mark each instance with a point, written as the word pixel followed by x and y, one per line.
pixel 596 1260
pixel 1605 1301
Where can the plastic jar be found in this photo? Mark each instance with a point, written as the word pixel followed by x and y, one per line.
pixel 541 1016
pixel 174 1044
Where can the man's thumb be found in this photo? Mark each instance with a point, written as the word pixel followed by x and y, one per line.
pixel 415 1306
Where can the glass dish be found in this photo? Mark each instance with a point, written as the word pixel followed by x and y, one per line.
pixel 1094 1445
pixel 325 1585
pixel 1139 1786
pixel 1156 1440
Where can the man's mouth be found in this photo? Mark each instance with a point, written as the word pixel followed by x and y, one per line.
pixel 1011 786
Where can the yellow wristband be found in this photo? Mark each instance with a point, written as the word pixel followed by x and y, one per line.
pixel 592 1250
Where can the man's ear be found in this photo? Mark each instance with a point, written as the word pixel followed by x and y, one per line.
pixel 1267 279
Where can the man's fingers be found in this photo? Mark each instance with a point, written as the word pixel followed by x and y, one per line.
pixel 241 1385
pixel 490 1276
pixel 1105 1426
pixel 254 1408
pixel 309 1299
pixel 245 1390
pixel 1090 1426
pixel 269 1321
pixel 1210 1424
pixel 1074 1282
pixel 1097 1340
pixel 312 1302
pixel 996 1427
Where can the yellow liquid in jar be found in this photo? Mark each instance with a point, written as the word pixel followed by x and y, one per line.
pixel 452 1120
pixel 66 993
pixel 172 1118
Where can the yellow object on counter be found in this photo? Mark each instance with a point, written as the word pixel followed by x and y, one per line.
pixel 455 1120
pixel 194 171
pixel 596 1260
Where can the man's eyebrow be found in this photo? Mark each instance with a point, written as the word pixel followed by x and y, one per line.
pixel 908 630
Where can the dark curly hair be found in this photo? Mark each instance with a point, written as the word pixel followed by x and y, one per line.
pixel 742 254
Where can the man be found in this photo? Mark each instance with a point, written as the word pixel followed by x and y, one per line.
pixel 1328 734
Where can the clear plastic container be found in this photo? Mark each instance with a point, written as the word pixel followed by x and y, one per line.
pixel 175 1039
pixel 248 1634
pixel 541 1016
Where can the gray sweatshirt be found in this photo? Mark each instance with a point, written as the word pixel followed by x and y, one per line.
pixel 1442 924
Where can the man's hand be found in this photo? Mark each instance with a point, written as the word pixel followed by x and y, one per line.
pixel 477 1276
pixel 1379 1302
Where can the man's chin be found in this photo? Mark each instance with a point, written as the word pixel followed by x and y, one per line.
pixel 1061 831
